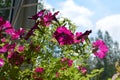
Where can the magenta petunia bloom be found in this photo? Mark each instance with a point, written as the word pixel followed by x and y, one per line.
pixel 7 48
pixel 16 34
pixel 48 18
pixel 67 61
pixel 10 30
pixel 4 25
pixel 11 47
pixel 64 36
pixel 1 62
pixel 64 59
pixel 45 17
pixel 100 49
pixel 3 40
pixel 21 48
pixel 7 24
pixel 83 36
pixel 21 31
pixel 77 36
pixel 4 49
pixel 70 62
pixel 15 58
pixel 57 74
pixel 82 69
pixel 38 15
pixel 39 70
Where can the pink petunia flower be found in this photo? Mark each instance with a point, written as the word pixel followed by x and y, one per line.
pixel 1 62
pixel 39 70
pixel 67 61
pixel 21 48
pixel 80 37
pixel 37 48
pixel 64 59
pixel 7 24
pixel 100 49
pixel 48 18
pixel 4 49
pixel 64 36
pixel 4 24
pixel 15 58
pixel 3 40
pixel 77 36
pixel 57 74
pixel 7 47
pixel 70 62
pixel 17 34
pixel 38 15
pixel 11 47
pixel 10 30
pixel 45 17
pixel 82 69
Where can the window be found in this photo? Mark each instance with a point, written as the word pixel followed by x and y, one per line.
pixel 5 8
pixel 18 11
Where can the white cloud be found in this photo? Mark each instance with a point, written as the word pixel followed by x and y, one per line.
pixel 47 5
pixel 78 14
pixel 111 24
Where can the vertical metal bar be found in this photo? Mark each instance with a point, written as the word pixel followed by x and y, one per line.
pixel 11 10
pixel 17 12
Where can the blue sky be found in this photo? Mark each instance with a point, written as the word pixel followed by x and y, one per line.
pixel 91 14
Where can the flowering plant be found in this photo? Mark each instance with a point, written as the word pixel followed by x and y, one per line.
pixel 51 49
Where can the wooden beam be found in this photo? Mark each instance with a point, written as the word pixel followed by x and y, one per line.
pixel 25 5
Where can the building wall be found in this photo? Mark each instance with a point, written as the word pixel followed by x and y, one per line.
pixel 21 14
